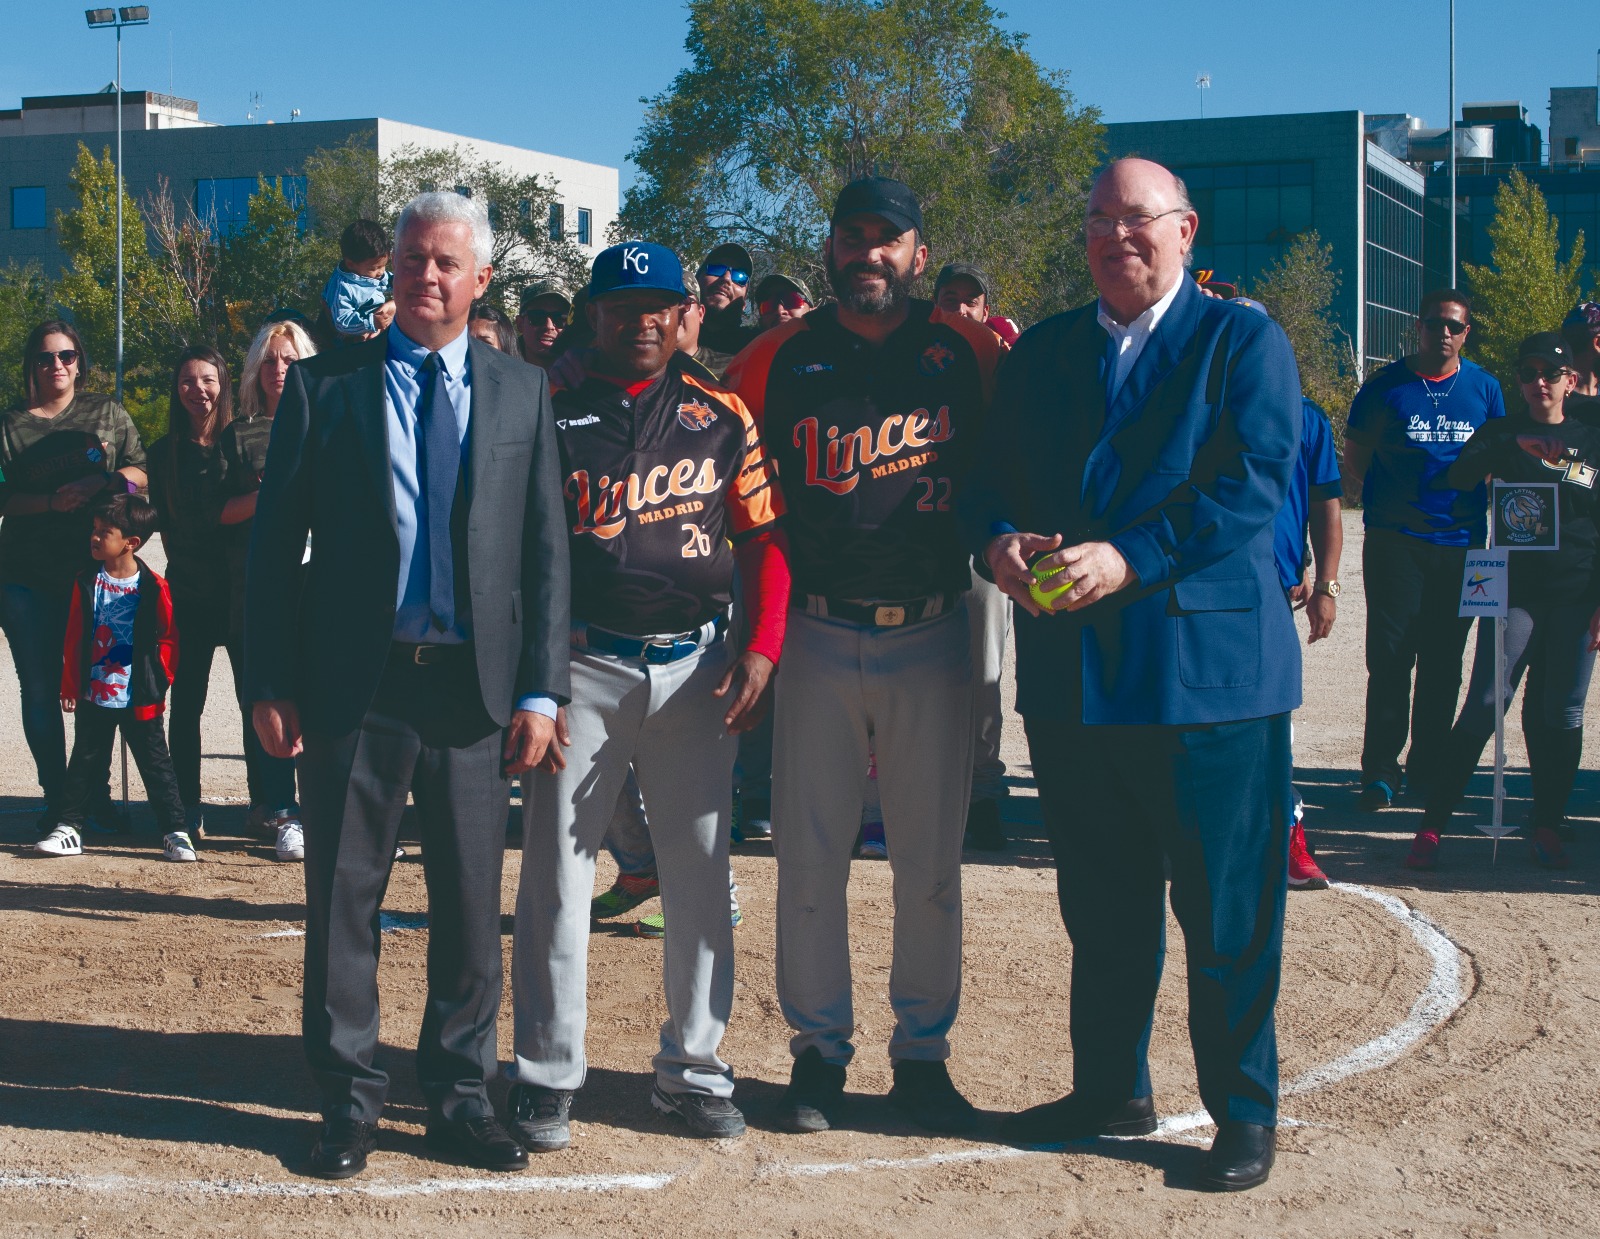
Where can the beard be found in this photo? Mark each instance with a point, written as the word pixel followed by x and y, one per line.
pixel 896 291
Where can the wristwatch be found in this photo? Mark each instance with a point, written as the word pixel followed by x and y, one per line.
pixel 1332 588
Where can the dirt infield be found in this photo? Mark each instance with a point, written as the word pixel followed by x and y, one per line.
pixel 1438 1035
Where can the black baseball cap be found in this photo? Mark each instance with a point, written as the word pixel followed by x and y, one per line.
pixel 956 270
pixel 1545 346
pixel 729 254
pixel 879 195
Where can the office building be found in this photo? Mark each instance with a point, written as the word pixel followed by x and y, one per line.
pixel 216 168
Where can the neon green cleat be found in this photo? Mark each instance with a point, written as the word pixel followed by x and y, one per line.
pixel 655 925
pixel 624 895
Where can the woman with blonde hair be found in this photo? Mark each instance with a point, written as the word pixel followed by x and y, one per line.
pixel 277 346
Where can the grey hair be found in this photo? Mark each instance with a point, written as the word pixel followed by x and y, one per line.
pixel 447 207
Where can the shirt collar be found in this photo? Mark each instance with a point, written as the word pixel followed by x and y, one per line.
pixel 408 352
pixel 1147 321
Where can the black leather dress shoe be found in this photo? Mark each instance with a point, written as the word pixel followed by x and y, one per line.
pixel 1240 1157
pixel 341 1150
pixel 479 1141
pixel 1076 1117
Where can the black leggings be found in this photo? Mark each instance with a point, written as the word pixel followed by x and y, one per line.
pixel 1550 641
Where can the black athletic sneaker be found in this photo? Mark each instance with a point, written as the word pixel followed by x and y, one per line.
pixel 537 1117
pixel 924 1094
pixel 707 1117
pixel 984 832
pixel 816 1087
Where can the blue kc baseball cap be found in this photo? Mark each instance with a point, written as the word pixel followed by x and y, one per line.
pixel 636 264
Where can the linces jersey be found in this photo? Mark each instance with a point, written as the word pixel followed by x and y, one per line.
pixel 657 485
pixel 871 444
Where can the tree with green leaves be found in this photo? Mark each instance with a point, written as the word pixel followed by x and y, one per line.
pixel 786 101
pixel 1299 290
pixel 1525 287
pixel 27 298
pixel 519 213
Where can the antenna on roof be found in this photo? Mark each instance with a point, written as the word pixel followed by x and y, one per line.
pixel 1202 83
pixel 255 105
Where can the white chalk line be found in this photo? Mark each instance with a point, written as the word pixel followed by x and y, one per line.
pixel 1441 997
pixel 388 922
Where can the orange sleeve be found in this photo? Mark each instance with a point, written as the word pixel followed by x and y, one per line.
pixel 754 501
pixel 747 373
pixel 70 651
pixel 985 345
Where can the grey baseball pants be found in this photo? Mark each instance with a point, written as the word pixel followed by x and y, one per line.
pixel 989 614
pixel 664 723
pixel 910 690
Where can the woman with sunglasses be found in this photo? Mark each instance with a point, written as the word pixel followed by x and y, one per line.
pixel 59 451
pixel 1553 620
pixel 186 481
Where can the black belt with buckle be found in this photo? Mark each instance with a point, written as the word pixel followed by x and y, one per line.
pixel 882 614
pixel 427 653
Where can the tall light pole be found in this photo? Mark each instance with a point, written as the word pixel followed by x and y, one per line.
pixel 1451 128
pixel 116 19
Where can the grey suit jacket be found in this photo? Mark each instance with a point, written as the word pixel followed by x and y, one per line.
pixel 320 637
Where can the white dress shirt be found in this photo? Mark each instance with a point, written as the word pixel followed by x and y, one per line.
pixel 1127 342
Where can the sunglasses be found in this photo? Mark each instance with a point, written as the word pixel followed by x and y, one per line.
pixel 539 316
pixel 1452 326
pixel 789 301
pixel 47 360
pixel 717 270
pixel 1534 374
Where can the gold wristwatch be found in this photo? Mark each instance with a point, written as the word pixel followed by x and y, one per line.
pixel 1332 588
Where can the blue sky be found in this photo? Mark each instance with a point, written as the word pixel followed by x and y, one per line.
pixel 566 77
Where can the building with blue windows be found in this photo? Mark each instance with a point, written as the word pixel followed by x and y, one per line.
pixel 217 168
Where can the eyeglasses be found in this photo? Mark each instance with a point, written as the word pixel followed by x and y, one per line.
pixel 1533 374
pixel 789 301
pixel 717 270
pixel 1435 322
pixel 539 316
pixel 1105 225
pixel 47 360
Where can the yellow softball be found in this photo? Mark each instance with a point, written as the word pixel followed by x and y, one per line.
pixel 1046 597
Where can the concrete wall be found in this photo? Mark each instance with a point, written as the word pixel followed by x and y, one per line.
pixel 1573 116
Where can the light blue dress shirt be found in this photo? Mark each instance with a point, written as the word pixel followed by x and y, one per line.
pixel 402 392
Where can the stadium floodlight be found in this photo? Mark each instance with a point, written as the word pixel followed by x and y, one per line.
pixel 116 19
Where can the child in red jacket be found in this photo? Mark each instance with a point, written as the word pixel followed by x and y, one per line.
pixel 117 664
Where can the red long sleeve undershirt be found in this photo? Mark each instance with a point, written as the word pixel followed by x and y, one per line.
pixel 764 570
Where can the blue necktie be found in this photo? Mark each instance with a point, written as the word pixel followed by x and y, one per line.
pixel 441 466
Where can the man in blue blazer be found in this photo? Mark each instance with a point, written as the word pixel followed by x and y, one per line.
pixel 1143 444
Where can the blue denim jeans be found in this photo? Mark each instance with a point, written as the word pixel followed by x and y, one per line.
pixel 35 624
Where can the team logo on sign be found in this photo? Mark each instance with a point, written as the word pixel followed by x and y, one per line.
pixel 695 415
pixel 935 359
pixel 1524 515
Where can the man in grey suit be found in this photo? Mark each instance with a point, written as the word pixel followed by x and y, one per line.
pixel 423 650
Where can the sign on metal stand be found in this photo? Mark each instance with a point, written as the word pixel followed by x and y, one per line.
pixel 1524 517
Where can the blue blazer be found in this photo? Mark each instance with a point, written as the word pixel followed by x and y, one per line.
pixel 1183 473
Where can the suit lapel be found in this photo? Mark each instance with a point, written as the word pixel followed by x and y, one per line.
pixel 484 420
pixel 1158 356
pixel 365 393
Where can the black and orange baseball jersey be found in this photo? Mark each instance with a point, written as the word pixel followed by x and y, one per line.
pixel 871 444
pixel 658 483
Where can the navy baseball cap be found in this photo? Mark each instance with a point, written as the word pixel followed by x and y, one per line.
pixel 879 195
pixel 1585 316
pixel 636 264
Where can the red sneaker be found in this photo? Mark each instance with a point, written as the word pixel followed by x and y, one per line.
pixel 1424 851
pixel 1547 849
pixel 1304 872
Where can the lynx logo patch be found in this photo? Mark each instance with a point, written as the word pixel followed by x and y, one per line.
pixel 695 415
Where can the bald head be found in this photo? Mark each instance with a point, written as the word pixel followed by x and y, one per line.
pixel 1140 227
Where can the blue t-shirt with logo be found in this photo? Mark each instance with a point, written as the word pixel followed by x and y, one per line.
pixel 1316 479
pixel 1416 427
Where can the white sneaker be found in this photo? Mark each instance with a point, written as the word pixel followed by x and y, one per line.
pixel 291 843
pixel 178 846
pixel 64 840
